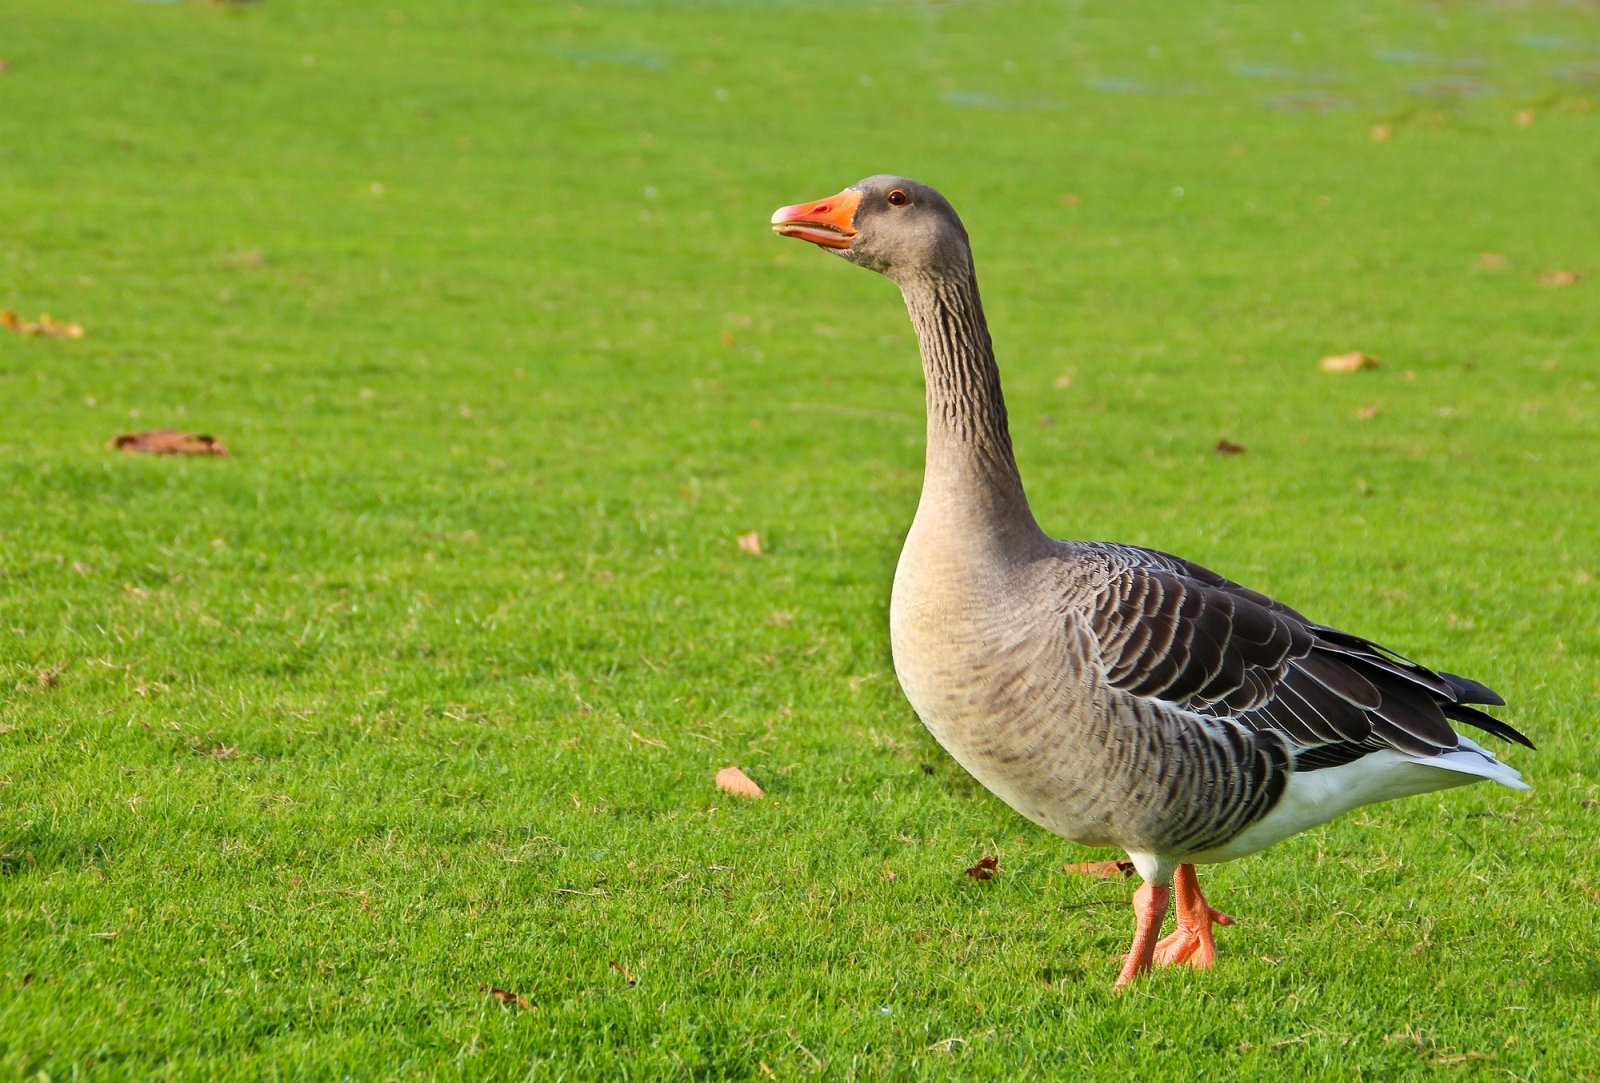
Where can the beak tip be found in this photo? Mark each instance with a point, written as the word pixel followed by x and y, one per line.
pixel 829 223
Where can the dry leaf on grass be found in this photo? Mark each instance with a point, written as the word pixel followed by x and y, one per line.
pixel 45 325
pixel 751 543
pixel 734 781
pixel 1354 361
pixel 1368 412
pixel 1228 447
pixel 620 969
pixel 1381 133
pixel 1491 261
pixel 1559 278
pixel 216 752
pixel 1105 870
pixel 1525 117
pixel 985 868
pixel 506 996
pixel 168 442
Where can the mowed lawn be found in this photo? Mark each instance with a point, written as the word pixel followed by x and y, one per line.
pixel 418 695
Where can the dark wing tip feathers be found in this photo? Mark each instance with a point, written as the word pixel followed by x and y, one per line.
pixel 1460 712
pixel 1470 691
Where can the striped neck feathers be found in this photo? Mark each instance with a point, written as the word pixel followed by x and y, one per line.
pixel 969 439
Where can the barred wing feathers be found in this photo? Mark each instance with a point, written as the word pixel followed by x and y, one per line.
pixel 1172 631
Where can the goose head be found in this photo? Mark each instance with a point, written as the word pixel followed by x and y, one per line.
pixel 895 226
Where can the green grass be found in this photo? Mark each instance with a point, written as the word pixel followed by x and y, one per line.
pixel 421 692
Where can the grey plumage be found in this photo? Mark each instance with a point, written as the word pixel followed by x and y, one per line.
pixel 1117 695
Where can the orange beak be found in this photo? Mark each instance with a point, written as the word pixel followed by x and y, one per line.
pixel 826 222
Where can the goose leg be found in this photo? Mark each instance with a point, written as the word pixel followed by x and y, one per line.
pixel 1192 942
pixel 1149 908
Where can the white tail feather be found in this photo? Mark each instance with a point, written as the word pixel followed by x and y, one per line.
pixel 1471 758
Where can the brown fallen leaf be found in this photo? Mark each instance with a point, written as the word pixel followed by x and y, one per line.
pixel 1381 133
pixel 1525 117
pixel 1491 261
pixel 506 996
pixel 734 781
pixel 168 442
pixel 1071 199
pixel 985 868
pixel 218 751
pixel 1228 447
pixel 1559 278
pixel 620 969
pixel 1354 361
pixel 46 325
pixel 751 543
pixel 1368 411
pixel 1105 870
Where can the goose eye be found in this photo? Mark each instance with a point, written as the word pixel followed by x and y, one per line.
pixel 898 198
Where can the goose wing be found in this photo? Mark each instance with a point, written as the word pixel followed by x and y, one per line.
pixel 1175 632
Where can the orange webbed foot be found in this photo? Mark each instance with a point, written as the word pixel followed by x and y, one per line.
pixel 1192 942
pixel 1149 907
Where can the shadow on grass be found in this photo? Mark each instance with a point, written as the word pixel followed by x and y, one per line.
pixel 35 848
pixel 1576 972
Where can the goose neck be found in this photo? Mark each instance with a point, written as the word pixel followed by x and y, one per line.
pixel 969 454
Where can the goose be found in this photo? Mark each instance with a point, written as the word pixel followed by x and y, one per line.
pixel 1115 695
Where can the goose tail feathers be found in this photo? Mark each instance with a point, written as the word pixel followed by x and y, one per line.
pixel 1471 758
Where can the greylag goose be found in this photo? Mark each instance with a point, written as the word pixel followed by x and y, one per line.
pixel 1115 695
